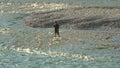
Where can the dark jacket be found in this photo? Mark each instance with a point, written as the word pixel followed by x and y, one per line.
pixel 56 26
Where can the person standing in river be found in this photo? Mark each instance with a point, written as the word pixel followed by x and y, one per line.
pixel 56 27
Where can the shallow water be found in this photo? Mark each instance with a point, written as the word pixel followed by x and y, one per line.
pixel 26 47
pixel 22 48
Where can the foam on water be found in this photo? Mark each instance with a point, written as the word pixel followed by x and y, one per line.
pixel 56 54
pixel 4 30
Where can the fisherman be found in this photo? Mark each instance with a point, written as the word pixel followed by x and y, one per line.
pixel 56 26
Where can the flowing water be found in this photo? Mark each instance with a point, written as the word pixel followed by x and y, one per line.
pixel 26 47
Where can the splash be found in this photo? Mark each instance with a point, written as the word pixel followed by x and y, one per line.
pixel 55 54
pixel 5 30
